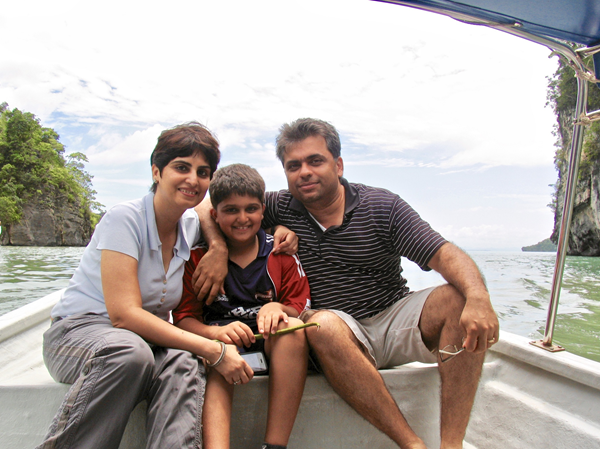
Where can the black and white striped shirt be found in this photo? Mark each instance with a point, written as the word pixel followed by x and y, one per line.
pixel 355 267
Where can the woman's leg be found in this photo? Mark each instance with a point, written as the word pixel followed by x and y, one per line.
pixel 110 369
pixel 175 401
pixel 288 356
pixel 217 412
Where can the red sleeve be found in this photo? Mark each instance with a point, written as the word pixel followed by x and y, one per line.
pixel 189 306
pixel 293 290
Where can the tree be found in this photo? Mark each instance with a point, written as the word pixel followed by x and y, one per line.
pixel 32 165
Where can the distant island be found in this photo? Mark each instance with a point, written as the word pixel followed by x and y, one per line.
pixel 545 246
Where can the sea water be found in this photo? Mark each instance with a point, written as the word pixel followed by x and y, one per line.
pixel 519 284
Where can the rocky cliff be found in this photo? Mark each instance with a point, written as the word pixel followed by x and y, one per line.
pixel 584 235
pixel 44 223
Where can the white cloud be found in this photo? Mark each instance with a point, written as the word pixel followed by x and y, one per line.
pixel 405 88
pixel 113 148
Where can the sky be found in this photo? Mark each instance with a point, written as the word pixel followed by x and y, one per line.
pixel 450 116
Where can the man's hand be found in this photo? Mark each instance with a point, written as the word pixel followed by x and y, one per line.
pixel 269 317
pixel 210 274
pixel 478 318
pixel 284 241
pixel 480 323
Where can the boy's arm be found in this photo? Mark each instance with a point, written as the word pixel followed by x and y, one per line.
pixel 293 293
pixel 271 314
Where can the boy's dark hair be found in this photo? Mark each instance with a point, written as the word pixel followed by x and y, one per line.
pixel 238 179
pixel 185 140
pixel 297 131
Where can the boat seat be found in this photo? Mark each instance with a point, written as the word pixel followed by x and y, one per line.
pixel 30 397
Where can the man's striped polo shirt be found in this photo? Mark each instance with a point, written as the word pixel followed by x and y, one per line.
pixel 355 267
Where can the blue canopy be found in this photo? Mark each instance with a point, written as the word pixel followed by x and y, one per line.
pixel 575 21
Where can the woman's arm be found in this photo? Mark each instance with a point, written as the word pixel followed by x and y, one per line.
pixel 123 299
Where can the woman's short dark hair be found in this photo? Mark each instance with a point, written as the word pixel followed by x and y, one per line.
pixel 302 128
pixel 236 179
pixel 185 140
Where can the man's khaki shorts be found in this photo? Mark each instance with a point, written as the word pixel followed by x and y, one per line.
pixel 392 337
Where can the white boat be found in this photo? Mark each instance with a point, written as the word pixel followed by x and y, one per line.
pixel 529 396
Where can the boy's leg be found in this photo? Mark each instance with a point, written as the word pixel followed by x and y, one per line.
pixel 216 415
pixel 287 374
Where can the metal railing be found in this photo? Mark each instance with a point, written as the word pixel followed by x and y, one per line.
pixel 583 118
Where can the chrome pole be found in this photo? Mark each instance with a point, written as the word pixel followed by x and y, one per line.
pixel 565 222
pixel 581 118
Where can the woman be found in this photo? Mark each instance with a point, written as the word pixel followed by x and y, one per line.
pixel 110 336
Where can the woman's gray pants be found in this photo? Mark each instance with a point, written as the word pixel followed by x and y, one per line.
pixel 111 371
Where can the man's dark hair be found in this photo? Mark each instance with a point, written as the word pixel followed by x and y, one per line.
pixel 236 179
pixel 302 128
pixel 185 140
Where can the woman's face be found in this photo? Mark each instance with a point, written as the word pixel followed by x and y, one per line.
pixel 183 182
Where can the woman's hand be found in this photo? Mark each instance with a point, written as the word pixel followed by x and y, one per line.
pixel 236 333
pixel 234 368
pixel 269 317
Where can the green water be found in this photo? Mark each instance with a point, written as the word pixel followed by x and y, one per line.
pixel 30 273
pixel 519 285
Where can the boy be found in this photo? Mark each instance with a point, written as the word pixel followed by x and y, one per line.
pixel 264 292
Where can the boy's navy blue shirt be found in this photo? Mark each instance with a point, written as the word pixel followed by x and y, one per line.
pixel 247 289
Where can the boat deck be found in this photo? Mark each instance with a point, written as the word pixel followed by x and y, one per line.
pixel 527 398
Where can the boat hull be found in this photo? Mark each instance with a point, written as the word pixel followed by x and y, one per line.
pixel 527 398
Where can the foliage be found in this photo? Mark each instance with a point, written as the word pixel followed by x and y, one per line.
pixel 544 246
pixel 562 96
pixel 33 165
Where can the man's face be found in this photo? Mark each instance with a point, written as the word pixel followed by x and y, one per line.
pixel 311 171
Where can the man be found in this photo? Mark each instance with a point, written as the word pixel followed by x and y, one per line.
pixel 351 239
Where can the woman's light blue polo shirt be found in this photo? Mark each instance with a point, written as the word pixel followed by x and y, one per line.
pixel 130 228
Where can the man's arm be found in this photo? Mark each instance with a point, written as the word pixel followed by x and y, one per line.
pixel 478 317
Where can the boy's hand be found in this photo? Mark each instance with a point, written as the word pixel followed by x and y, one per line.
pixel 236 333
pixel 269 317
pixel 284 241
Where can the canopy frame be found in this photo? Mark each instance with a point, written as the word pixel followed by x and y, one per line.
pixel 574 57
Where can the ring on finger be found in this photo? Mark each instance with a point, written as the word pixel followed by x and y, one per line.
pixel 492 340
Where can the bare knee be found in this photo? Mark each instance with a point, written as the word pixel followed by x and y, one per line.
pixel 441 312
pixel 294 341
pixel 330 326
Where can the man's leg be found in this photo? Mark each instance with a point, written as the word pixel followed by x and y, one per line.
pixel 440 326
pixel 353 376
pixel 288 356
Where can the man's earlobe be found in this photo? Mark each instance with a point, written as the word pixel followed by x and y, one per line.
pixel 340 166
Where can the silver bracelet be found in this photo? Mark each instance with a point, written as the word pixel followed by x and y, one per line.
pixel 221 357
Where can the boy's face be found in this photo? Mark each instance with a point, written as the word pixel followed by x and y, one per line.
pixel 239 218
